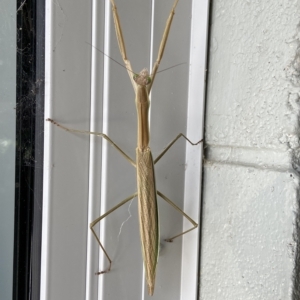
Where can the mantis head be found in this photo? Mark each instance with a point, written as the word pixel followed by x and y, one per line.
pixel 142 78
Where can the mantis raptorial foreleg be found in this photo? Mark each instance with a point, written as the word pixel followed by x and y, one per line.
pixel 163 44
pixel 122 47
pixel 121 42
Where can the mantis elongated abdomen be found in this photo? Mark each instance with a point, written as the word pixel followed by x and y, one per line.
pixel 149 230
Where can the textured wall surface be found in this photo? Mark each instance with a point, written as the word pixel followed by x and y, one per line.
pixel 250 236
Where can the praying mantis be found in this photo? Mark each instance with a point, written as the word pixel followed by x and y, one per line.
pixel 144 163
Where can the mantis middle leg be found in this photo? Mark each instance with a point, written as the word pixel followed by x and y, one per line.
pixel 96 134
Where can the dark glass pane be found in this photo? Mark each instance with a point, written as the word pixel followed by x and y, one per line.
pixel 29 148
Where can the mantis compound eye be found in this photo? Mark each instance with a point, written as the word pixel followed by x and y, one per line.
pixel 142 78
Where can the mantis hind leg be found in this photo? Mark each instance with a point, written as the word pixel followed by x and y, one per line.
pixel 96 221
pixel 195 225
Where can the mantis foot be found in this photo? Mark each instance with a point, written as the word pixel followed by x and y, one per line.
pixel 102 272
pixel 169 240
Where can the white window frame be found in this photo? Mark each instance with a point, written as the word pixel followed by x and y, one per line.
pixel 84 176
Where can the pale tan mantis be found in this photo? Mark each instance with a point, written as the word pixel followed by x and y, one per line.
pixel 144 164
